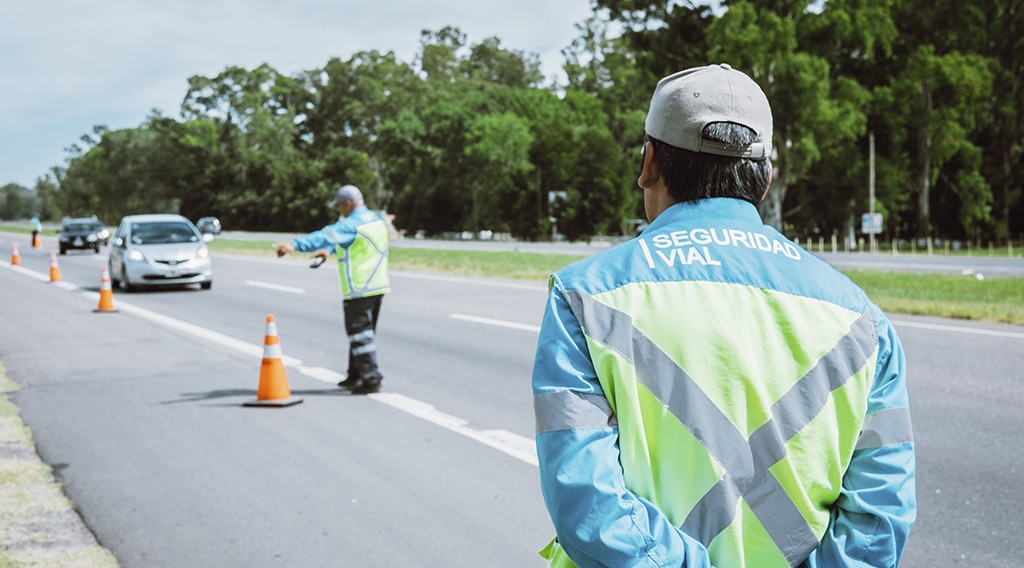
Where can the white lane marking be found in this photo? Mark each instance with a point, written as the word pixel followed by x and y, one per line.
pixel 27 272
pixel 504 441
pixel 509 443
pixel 214 337
pixel 277 287
pixel 959 329
pixel 519 447
pixel 499 323
pixel 471 280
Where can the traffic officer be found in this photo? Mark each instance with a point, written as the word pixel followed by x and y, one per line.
pixel 361 240
pixel 709 393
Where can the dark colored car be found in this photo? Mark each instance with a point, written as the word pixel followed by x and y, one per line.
pixel 208 225
pixel 82 234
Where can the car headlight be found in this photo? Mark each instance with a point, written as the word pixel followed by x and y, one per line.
pixel 203 253
pixel 136 255
pixel 91 238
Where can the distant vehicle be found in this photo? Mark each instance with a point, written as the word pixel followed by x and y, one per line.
pixel 159 250
pixel 82 234
pixel 208 225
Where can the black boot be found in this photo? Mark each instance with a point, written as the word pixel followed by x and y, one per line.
pixel 367 387
pixel 350 383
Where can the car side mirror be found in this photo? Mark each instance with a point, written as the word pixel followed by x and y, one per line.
pixel 118 242
pixel 207 237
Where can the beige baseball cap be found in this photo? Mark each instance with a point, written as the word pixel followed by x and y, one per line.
pixel 687 101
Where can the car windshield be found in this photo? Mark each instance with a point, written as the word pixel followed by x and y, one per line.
pixel 80 228
pixel 163 233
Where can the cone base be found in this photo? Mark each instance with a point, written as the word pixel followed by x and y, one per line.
pixel 275 402
pixel 99 311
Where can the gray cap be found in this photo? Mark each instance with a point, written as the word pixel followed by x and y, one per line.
pixel 687 101
pixel 347 193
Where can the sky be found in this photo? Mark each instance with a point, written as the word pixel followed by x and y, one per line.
pixel 67 65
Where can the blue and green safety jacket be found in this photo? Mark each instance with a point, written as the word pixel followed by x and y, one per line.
pixel 710 394
pixel 361 241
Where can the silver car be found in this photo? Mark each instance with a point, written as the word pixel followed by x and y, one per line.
pixel 159 250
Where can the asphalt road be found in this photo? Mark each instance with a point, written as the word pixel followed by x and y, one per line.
pixel 142 415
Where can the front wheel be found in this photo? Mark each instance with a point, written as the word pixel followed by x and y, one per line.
pixel 124 283
pixel 206 285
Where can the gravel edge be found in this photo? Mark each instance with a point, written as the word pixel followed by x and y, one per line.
pixel 39 526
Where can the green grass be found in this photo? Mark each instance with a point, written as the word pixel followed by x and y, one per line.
pixel 962 297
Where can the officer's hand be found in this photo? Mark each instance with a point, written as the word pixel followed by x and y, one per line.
pixel 283 248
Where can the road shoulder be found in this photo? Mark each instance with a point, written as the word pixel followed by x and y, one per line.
pixel 38 524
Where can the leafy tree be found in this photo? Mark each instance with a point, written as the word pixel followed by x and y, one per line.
pixel 122 173
pixel 1002 139
pixel 246 134
pixel 497 153
pixel 17 202
pixel 489 63
pixel 936 99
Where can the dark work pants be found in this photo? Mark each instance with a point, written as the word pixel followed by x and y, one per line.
pixel 361 327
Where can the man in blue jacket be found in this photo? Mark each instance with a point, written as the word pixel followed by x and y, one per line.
pixel 708 393
pixel 361 240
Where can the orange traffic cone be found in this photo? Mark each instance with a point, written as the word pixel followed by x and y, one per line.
pixel 273 389
pixel 54 269
pixel 37 240
pixel 15 257
pixel 106 293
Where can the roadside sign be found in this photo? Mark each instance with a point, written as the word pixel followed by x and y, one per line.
pixel 871 223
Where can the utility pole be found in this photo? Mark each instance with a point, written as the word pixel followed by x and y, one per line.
pixel 871 185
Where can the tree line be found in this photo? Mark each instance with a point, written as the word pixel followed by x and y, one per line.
pixel 471 137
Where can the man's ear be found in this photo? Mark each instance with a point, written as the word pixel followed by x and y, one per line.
pixel 650 170
pixel 771 173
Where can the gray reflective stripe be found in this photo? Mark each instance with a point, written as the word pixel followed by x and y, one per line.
pixel 568 410
pixel 746 462
pixel 381 248
pixel 364 349
pixel 362 335
pixel 887 427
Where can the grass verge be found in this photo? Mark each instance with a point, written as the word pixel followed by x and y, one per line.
pixel 999 300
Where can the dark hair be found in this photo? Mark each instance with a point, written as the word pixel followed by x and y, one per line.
pixel 691 176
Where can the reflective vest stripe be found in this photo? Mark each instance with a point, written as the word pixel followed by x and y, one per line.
pixel 887 427
pixel 381 248
pixel 567 410
pixel 746 462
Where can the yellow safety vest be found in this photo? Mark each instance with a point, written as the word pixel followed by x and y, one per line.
pixel 364 264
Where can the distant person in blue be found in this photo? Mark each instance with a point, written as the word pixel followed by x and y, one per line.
pixel 37 231
pixel 361 240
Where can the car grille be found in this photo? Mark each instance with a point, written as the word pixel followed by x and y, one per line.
pixel 178 276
